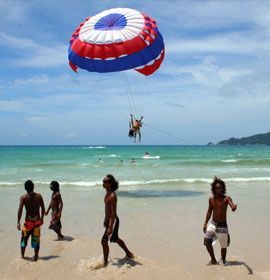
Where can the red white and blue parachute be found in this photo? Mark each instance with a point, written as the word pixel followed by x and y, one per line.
pixel 115 40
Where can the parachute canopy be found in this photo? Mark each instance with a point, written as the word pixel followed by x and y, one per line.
pixel 115 40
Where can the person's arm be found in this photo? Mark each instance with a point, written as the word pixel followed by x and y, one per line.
pixel 232 205
pixel 208 215
pixel 20 210
pixel 61 205
pixel 113 214
pixel 42 206
pixel 48 210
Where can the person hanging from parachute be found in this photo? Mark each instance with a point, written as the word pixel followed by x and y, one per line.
pixel 114 40
pixel 135 128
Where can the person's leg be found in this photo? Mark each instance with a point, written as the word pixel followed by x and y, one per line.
pixel 35 242
pixel 24 240
pixel 210 250
pixel 58 232
pixel 35 257
pixel 56 227
pixel 223 240
pixel 106 249
pixel 140 136
pixel 122 244
pixel 223 254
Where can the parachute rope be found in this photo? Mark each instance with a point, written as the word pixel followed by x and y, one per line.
pixel 130 95
pixel 167 133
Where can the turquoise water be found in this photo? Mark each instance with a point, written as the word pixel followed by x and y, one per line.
pixel 80 166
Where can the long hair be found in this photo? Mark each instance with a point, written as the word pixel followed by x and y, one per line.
pixel 55 186
pixel 114 184
pixel 216 181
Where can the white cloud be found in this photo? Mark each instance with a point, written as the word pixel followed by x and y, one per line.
pixel 226 43
pixel 32 54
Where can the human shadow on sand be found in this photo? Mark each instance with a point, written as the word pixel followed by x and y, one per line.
pixel 233 263
pixel 65 238
pixel 125 261
pixel 47 258
pixel 157 193
pixel 44 258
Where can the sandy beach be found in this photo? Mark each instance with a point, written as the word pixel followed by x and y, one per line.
pixel 164 233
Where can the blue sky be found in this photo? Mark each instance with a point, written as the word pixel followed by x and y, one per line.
pixel 214 82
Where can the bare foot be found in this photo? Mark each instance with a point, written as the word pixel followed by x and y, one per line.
pixel 130 255
pixel 212 262
pixel 34 259
pixel 100 265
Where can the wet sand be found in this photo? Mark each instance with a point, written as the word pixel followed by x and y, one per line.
pixel 165 235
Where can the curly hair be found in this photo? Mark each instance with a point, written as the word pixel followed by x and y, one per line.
pixel 216 181
pixel 114 184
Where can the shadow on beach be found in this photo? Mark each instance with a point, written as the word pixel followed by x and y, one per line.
pixel 65 238
pixel 44 258
pixel 125 261
pixel 234 263
pixel 156 193
pixel 47 258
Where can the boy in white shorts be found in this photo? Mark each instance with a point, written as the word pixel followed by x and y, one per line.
pixel 217 228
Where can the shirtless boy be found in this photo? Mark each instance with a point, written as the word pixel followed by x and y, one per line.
pixel 56 205
pixel 217 227
pixel 33 203
pixel 111 221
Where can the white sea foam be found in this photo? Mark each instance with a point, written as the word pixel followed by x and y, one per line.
pixel 8 183
pixel 145 182
pixel 95 147
pixel 167 181
pixel 151 157
pixel 229 160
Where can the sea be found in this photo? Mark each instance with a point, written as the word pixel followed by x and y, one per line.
pixel 85 166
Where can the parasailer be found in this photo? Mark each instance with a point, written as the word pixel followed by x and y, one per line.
pixel 135 128
pixel 114 40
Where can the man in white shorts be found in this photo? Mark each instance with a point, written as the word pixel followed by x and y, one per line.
pixel 217 228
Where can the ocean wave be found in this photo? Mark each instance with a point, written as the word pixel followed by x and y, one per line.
pixel 95 147
pixel 146 182
pixel 229 160
pixel 8 183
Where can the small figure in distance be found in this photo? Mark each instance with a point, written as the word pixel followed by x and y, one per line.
pixel 135 128
pixel 33 203
pixel 56 205
pixel 217 227
pixel 133 161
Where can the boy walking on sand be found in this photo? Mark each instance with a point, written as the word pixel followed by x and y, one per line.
pixel 56 205
pixel 111 221
pixel 217 228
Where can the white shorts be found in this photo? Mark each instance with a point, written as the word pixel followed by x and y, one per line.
pixel 217 231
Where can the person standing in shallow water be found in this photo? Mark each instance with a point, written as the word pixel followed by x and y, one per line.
pixel 218 228
pixel 56 205
pixel 33 203
pixel 111 221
